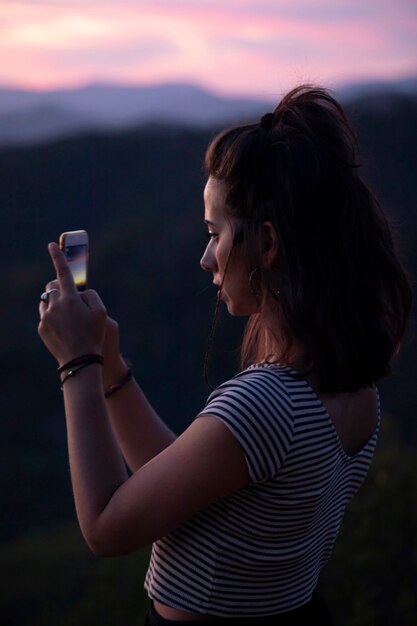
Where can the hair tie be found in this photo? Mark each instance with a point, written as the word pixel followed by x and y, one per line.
pixel 267 121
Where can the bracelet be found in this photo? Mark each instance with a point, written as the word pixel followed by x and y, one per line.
pixel 123 382
pixel 72 372
pixel 81 360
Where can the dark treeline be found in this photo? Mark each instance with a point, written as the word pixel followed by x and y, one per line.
pixel 139 194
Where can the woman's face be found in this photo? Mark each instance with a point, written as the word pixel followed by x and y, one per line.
pixel 236 291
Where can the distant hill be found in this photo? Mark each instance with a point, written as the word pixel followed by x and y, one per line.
pixel 28 117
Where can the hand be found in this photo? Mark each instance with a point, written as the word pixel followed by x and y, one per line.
pixel 114 367
pixel 70 324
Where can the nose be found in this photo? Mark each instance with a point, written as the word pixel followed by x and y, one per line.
pixel 207 261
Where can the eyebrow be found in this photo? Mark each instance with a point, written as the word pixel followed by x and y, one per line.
pixel 209 223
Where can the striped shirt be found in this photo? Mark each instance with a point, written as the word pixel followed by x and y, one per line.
pixel 259 551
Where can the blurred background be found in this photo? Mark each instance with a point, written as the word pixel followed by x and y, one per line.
pixel 106 109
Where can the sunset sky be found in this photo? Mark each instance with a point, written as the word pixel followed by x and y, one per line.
pixel 252 47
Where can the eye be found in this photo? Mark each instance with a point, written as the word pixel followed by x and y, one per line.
pixel 212 236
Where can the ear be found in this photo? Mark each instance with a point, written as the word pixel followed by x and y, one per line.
pixel 270 245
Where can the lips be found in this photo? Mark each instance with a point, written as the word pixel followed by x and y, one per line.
pixel 220 292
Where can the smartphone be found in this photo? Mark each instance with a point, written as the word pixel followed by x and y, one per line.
pixel 74 244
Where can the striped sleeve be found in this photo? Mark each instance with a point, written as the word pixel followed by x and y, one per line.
pixel 257 409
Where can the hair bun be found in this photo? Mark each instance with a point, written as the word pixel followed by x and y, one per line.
pixel 267 121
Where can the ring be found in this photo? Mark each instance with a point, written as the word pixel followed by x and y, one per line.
pixel 46 294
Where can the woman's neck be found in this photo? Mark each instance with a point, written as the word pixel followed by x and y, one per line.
pixel 296 359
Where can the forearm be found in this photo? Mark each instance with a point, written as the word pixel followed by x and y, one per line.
pixel 140 432
pixel 96 464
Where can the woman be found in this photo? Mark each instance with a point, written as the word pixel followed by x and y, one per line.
pixel 244 507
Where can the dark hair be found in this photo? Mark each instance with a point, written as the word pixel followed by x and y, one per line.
pixel 343 294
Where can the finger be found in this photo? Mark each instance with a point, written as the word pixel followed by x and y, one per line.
pixel 53 284
pixel 53 296
pixel 93 300
pixel 63 272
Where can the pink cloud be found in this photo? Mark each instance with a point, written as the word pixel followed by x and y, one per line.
pixel 228 45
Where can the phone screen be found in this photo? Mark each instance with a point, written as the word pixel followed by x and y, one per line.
pixel 77 257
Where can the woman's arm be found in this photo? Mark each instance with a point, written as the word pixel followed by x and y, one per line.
pixel 96 464
pixel 118 514
pixel 140 432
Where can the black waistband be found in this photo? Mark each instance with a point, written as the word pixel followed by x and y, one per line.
pixel 315 610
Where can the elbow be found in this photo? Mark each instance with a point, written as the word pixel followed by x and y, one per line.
pixel 105 546
pixel 104 550
pixel 97 545
pixel 108 535
pixel 99 548
pixel 109 544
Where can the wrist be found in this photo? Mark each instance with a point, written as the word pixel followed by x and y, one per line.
pixel 87 370
pixel 114 373
pixel 81 360
pixel 74 355
pixel 124 377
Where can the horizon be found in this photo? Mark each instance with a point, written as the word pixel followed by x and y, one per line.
pixel 113 84
pixel 245 48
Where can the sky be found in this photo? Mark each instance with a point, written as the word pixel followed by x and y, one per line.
pixel 233 47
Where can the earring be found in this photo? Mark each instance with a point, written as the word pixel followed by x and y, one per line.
pixel 251 287
pixel 273 294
